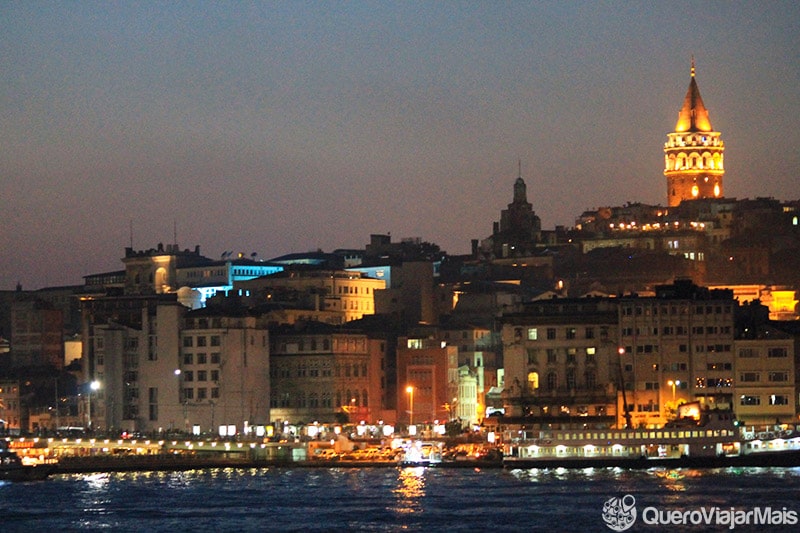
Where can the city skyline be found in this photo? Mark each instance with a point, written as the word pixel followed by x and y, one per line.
pixel 283 127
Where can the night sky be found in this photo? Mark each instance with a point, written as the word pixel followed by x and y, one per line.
pixel 295 126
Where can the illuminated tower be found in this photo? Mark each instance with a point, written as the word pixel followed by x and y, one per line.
pixel 693 162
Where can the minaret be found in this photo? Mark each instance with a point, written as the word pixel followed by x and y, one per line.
pixel 693 153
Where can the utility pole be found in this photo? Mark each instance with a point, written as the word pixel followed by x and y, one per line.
pixel 58 404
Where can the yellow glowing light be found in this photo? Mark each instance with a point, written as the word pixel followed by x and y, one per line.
pixel 716 190
pixel 695 191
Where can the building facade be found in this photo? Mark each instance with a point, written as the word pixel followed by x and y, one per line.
pixel 224 383
pixel 765 391
pixel 427 380
pixel 676 347
pixel 322 373
pixel 350 294
pixel 560 362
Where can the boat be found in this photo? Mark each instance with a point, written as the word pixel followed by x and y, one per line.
pixel 421 453
pixel 12 467
pixel 437 454
pixel 699 438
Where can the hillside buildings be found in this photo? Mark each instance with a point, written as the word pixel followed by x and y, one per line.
pixel 613 322
pixel 348 294
pixel 631 360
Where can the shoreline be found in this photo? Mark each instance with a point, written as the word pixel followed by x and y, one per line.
pixel 83 465
pixel 160 463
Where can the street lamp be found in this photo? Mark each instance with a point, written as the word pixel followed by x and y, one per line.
pixel 674 384
pixel 410 391
pixel 182 400
pixel 93 386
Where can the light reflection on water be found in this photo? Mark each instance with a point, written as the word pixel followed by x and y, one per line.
pixel 410 490
pixel 370 499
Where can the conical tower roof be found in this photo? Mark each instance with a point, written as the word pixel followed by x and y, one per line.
pixel 693 116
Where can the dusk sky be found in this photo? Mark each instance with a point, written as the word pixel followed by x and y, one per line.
pixel 278 127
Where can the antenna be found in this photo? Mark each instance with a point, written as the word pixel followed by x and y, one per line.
pixel 130 229
pixel 693 65
pixel 174 232
pixel 519 164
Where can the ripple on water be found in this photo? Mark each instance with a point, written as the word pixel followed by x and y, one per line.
pixel 373 499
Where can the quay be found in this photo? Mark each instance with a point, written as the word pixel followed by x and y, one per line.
pixel 85 455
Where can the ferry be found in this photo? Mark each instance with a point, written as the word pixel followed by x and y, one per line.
pixel 421 453
pixel 698 438
pixel 13 468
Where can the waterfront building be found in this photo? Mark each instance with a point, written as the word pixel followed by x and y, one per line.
pixel 629 360
pixel 765 390
pixel 427 379
pixel 676 347
pixel 477 370
pixel 224 371
pixel 561 362
pixel 130 353
pixel 156 366
pixel 693 153
pixel 11 415
pixel 324 373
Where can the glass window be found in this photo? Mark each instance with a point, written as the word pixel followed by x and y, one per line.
pixel 777 352
pixel 552 381
pixel 750 400
pixel 778 399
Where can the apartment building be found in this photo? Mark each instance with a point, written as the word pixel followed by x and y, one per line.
pixel 350 294
pixel 324 373
pixel 561 362
pixel 676 347
pixel 765 391
pixel 427 379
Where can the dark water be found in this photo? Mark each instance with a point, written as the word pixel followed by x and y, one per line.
pixel 383 499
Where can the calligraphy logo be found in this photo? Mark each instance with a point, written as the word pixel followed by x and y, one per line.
pixel 620 513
